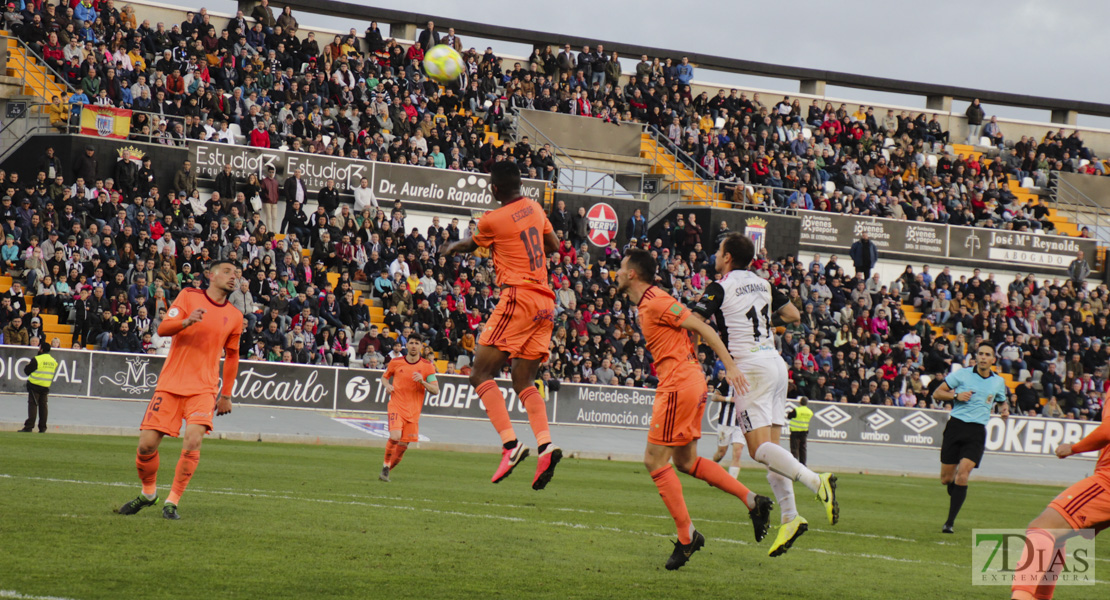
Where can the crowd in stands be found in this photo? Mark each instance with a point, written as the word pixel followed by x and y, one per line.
pixel 113 269
pixel 258 80
pixel 109 254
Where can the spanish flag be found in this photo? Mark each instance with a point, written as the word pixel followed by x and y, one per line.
pixel 105 121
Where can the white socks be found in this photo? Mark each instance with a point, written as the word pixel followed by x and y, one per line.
pixel 150 496
pixel 734 472
pixel 784 495
pixel 782 462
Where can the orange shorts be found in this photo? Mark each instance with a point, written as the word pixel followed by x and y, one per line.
pixel 1085 505
pixel 521 324
pixel 166 410
pixel 408 426
pixel 676 416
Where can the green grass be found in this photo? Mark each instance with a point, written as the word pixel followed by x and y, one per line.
pixel 286 521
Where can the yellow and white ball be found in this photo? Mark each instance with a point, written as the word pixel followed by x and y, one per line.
pixel 443 64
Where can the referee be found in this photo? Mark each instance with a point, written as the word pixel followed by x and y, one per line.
pixel 973 392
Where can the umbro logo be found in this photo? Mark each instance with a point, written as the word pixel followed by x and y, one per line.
pixel 878 419
pixel 833 416
pixel 919 422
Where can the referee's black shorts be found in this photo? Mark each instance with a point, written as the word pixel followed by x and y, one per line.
pixel 963 440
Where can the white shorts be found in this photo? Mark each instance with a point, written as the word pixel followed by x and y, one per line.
pixel 729 435
pixel 765 403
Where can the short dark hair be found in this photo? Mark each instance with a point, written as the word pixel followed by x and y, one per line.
pixel 985 344
pixel 741 248
pixel 222 261
pixel 506 176
pixel 416 337
pixel 641 261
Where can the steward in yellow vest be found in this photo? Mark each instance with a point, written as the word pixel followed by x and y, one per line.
pixel 40 372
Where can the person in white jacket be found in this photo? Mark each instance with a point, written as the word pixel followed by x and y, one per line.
pixel 364 196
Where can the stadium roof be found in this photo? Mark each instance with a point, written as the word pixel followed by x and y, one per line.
pixel 707 61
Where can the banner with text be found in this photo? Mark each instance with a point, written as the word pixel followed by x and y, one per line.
pixel 71 378
pixel 135 376
pixel 929 241
pixel 409 184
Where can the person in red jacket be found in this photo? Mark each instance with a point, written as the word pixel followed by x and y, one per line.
pixel 258 136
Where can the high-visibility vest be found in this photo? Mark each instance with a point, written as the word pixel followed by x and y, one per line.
pixel 44 374
pixel 802 415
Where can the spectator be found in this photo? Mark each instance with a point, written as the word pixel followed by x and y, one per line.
pixel 975 114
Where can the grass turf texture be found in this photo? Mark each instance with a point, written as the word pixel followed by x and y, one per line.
pixel 288 521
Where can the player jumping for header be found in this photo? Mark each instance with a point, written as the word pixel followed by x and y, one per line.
pixel 521 238
pixel 746 308
pixel 203 325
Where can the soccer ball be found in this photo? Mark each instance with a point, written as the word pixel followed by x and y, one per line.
pixel 443 64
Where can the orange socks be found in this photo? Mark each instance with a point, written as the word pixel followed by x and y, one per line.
pixel 147 465
pixel 1031 582
pixel 670 489
pixel 398 452
pixel 716 476
pixel 390 448
pixel 537 414
pixel 494 402
pixel 186 466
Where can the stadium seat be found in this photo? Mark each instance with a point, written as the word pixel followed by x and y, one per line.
pixel 441 366
pixel 985 141
pixel 931 160
pixel 888 142
pixel 235 130
pixel 807 134
pixel 830 187
pixel 1027 182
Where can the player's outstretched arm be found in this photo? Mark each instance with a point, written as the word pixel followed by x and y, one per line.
pixel 462 246
pixel 733 375
pixel 1096 440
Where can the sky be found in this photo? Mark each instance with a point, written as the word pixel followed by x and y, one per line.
pixel 1038 47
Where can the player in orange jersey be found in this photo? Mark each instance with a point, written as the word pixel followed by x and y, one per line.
pixel 680 403
pixel 406 379
pixel 1083 506
pixel 203 326
pixel 519 329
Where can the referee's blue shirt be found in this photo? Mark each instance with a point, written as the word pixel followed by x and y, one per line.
pixel 984 392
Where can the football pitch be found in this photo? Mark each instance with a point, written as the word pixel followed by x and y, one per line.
pixel 291 521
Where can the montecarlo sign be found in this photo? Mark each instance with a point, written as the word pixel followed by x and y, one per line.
pixel 410 184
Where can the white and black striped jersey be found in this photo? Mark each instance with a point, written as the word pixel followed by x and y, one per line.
pixel 742 303
pixel 727 416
